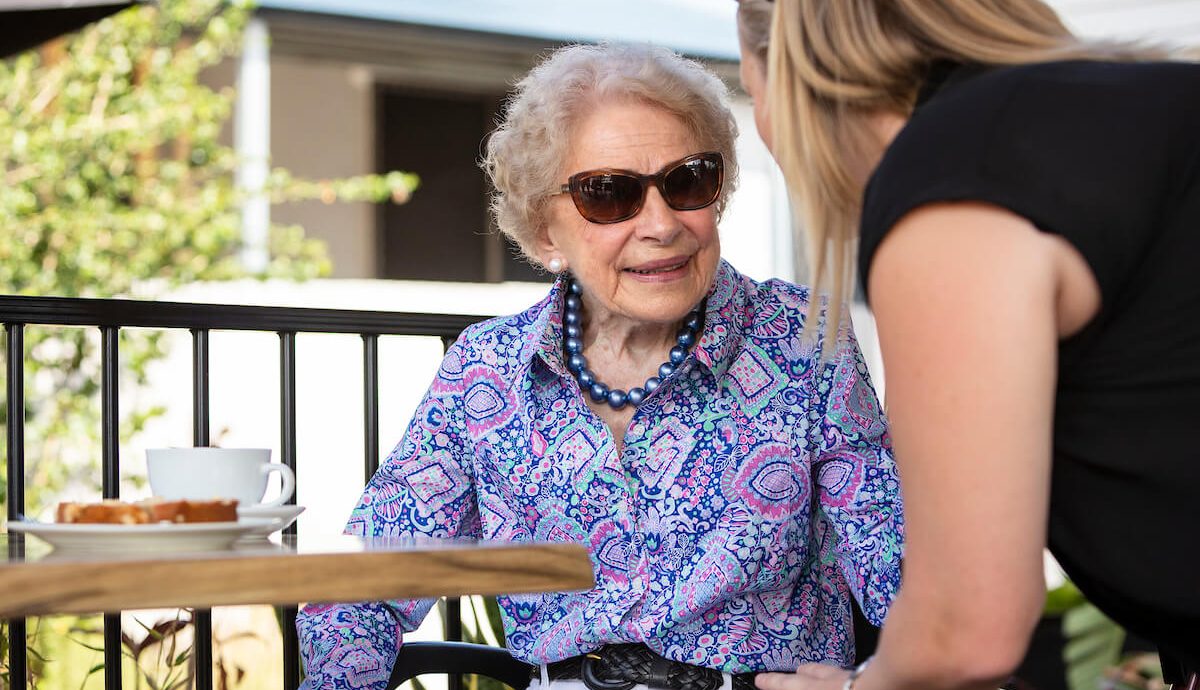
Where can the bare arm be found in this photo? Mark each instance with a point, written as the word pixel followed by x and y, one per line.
pixel 969 304
pixel 965 300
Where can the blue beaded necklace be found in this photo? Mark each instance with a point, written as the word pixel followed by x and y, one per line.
pixel 577 363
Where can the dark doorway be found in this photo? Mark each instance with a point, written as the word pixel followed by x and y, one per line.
pixel 443 232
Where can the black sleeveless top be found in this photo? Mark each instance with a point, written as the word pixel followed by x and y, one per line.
pixel 1106 155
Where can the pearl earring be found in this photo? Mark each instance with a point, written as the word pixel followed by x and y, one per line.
pixel 555 265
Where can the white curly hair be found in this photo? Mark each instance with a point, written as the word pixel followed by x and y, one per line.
pixel 524 154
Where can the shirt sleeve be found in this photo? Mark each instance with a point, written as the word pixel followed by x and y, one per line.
pixel 857 486
pixel 425 488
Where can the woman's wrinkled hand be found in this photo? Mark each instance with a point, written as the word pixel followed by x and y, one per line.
pixel 807 677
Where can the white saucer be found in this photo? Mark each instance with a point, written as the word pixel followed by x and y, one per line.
pixel 278 517
pixel 284 512
pixel 160 536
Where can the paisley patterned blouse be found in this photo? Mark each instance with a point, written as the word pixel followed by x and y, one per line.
pixel 755 494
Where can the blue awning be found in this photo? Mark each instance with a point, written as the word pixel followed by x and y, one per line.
pixel 701 28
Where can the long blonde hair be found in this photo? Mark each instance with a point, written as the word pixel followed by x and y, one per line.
pixel 832 63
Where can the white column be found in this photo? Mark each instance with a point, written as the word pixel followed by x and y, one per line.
pixel 252 141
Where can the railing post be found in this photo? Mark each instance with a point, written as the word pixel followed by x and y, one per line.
pixel 15 419
pixel 201 618
pixel 287 413
pixel 371 404
pixel 200 395
pixel 110 460
pixel 287 405
pixel 452 612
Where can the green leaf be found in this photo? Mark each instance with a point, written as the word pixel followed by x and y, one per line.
pixel 1063 598
pixel 1093 645
pixel 85 645
pixel 492 612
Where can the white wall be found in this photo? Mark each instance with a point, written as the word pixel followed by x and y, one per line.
pixel 1170 21
pixel 756 232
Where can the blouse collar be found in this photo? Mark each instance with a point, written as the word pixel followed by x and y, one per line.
pixel 724 320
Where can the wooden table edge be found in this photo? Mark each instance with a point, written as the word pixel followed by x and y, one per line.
pixel 208 580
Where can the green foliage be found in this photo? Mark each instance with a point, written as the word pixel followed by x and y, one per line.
pixel 1093 645
pixel 114 181
pixel 162 637
pixel 155 656
pixel 35 663
pixel 1062 599
pixel 1093 651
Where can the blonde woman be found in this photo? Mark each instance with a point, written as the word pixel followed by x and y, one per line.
pixel 1024 208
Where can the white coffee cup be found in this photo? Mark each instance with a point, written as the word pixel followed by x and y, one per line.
pixel 207 473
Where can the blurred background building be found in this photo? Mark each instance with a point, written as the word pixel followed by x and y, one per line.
pixel 333 88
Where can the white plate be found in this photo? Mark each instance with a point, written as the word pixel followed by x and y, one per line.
pixel 161 536
pixel 278 516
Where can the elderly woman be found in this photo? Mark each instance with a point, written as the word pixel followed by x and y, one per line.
pixel 733 482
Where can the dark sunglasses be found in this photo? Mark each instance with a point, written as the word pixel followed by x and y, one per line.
pixel 611 196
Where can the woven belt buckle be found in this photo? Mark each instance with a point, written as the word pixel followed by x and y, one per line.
pixel 587 673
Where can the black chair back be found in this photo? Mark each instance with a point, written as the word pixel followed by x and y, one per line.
pixel 420 658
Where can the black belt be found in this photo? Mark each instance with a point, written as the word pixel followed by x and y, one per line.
pixel 622 666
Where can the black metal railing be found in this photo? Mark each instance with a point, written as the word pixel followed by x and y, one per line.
pixel 200 319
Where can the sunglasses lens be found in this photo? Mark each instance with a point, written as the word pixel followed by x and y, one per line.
pixel 613 196
pixel 608 197
pixel 693 184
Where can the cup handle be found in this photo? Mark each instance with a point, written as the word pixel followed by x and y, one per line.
pixel 286 476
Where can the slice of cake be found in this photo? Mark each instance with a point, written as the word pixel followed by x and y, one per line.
pixel 108 511
pixel 214 510
pixel 162 510
pixel 150 511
